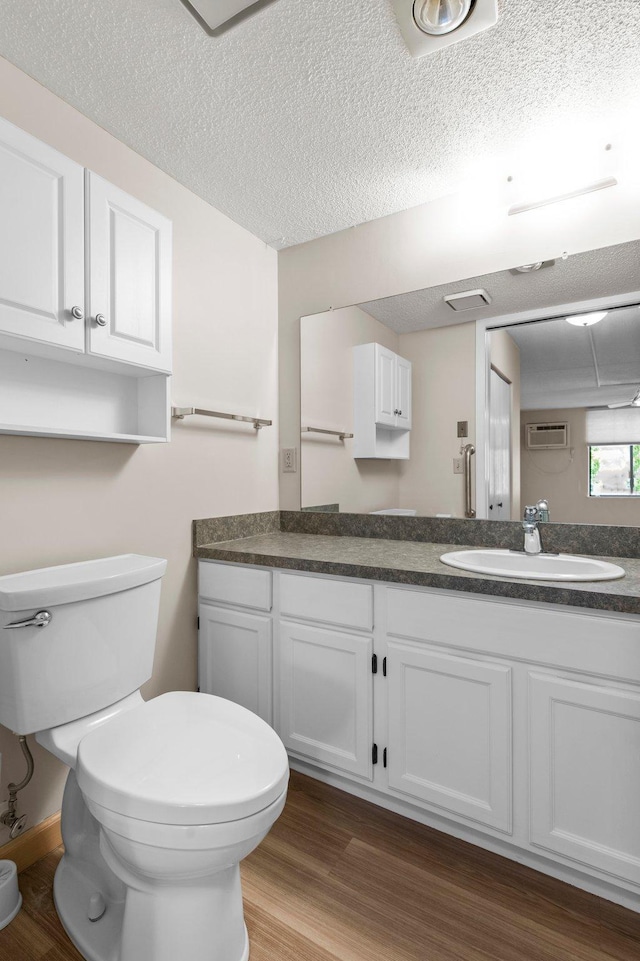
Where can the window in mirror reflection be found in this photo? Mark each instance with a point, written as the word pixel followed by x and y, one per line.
pixel 614 470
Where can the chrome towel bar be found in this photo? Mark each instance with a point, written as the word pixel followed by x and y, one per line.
pixel 321 430
pixel 181 412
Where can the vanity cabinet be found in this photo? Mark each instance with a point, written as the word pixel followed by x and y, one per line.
pixel 585 772
pixel 235 657
pixel 326 697
pixel 85 301
pixel 513 725
pixel 450 731
pixel 382 402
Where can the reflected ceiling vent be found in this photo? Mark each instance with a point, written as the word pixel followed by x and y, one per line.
pixel 430 25
pixel 468 300
pixel 217 16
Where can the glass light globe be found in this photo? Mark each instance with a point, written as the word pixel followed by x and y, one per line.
pixel 438 17
pixel 586 320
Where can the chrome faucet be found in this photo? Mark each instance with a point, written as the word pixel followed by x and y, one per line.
pixel 532 542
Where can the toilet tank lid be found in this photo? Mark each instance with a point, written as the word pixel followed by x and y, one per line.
pixel 67 583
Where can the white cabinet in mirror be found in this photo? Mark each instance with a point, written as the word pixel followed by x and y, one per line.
pixel 381 403
pixel 548 370
pixel 80 359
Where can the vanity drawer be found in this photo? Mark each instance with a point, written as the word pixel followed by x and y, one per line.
pixel 326 600
pixel 233 584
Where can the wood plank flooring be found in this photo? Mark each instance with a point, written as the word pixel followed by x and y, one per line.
pixel 340 880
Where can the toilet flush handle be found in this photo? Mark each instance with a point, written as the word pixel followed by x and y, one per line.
pixel 41 619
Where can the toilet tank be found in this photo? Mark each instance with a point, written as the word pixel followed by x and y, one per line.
pixel 96 647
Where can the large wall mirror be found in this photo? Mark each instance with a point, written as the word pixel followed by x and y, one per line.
pixel 538 397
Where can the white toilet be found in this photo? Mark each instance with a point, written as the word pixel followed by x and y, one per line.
pixel 164 797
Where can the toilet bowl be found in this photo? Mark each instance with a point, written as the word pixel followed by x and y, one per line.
pixel 164 797
pixel 179 790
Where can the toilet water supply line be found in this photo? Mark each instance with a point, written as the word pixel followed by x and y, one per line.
pixel 10 818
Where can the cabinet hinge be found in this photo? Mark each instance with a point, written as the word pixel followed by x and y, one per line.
pixel 374 663
pixel 374 754
pixel 384 667
pixel 384 758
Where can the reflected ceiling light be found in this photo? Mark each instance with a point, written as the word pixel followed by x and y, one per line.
pixel 216 16
pixel 437 17
pixel 586 320
pixel 569 195
pixel 529 268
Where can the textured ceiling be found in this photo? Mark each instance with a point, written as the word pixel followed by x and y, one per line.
pixel 312 117
pixel 557 361
pixel 606 272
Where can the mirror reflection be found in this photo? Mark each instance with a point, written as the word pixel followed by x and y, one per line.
pixel 560 419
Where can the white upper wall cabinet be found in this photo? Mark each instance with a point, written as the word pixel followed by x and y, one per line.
pixel 129 278
pixel 381 403
pixel 85 302
pixel 41 241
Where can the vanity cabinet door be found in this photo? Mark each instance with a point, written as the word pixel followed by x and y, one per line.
pixel 449 740
pixel 585 773
pixel 235 657
pixel 129 278
pixel 41 242
pixel 326 697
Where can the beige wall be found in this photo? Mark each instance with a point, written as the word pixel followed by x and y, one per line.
pixel 562 476
pixel 329 473
pixel 443 380
pixel 505 358
pixel 447 240
pixel 64 501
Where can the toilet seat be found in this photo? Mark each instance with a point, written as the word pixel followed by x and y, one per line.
pixel 183 759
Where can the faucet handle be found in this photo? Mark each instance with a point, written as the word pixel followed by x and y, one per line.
pixel 531 513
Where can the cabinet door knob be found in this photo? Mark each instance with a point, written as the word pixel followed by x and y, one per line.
pixel 400 413
pixel 77 313
pixel 101 320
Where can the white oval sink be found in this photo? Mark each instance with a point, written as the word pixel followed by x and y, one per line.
pixel 533 567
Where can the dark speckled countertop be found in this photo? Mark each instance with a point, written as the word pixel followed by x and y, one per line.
pixel 411 562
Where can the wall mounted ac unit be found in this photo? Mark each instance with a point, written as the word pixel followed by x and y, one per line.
pixel 547 436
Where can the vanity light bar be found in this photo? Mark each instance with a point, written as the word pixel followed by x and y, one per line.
pixel 544 202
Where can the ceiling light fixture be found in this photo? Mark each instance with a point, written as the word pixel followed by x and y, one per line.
pixel 529 268
pixel 545 201
pixel 437 17
pixel 430 25
pixel 586 320
pixel 217 16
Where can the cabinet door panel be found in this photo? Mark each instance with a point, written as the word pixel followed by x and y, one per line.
pixel 235 657
pixel 385 386
pixel 403 389
pixel 129 277
pixel 326 697
pixel 450 732
pixel 585 773
pixel 41 241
